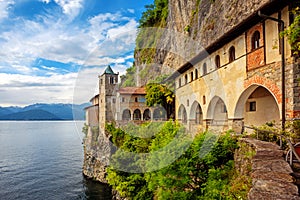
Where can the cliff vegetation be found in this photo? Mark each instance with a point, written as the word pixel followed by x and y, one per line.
pixel 155 16
pixel 192 175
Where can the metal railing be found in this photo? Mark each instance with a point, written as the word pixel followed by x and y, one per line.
pixel 290 153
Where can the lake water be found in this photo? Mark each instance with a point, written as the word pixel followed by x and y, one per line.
pixel 43 160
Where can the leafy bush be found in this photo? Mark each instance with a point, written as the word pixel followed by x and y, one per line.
pixel 192 175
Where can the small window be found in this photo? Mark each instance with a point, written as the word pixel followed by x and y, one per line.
pixel 142 99
pixel 101 81
pixel 188 102
pixel 179 82
pixel 123 99
pixel 196 73
pixel 231 54
pixel 252 106
pixel 204 69
pixel 186 79
pixel 255 40
pixel 192 76
pixel 204 100
pixel 217 61
pixel 114 100
pixel 136 99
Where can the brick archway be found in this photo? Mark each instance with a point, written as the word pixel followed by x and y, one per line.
pixel 241 105
pixel 266 83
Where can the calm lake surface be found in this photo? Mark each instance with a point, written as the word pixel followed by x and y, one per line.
pixel 43 160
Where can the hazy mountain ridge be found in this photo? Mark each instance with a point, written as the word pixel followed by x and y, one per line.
pixel 41 111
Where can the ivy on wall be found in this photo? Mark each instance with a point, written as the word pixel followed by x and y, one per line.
pixel 292 32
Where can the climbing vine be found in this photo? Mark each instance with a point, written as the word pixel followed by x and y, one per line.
pixel 293 32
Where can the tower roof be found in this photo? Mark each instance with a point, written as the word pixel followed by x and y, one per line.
pixel 108 70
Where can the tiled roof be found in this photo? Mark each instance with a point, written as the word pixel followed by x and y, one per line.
pixel 132 90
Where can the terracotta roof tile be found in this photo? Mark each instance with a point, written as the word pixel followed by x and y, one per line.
pixel 132 90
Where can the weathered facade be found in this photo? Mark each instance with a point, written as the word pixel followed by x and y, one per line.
pixel 120 105
pixel 240 82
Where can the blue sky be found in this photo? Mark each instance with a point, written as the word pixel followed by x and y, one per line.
pixel 49 48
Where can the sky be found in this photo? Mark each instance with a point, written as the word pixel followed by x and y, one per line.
pixel 52 51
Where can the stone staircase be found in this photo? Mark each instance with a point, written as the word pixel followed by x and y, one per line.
pixel 271 174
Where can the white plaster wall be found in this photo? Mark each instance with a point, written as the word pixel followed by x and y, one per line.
pixel 92 116
pixel 272 38
pixel 266 111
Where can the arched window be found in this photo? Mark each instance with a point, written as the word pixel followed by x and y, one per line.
pixel 137 115
pixel 231 54
pixel 111 80
pixel 186 79
pixel 147 115
pixel 255 40
pixel 192 76
pixel 126 115
pixel 196 73
pixel 217 61
pixel 204 69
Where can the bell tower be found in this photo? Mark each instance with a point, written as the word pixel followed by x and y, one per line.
pixel 108 83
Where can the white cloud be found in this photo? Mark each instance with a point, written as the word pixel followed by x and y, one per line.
pixel 117 31
pixel 4 8
pixel 131 10
pixel 56 40
pixel 70 7
pixel 104 39
pixel 19 89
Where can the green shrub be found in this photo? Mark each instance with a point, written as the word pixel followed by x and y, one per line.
pixel 190 176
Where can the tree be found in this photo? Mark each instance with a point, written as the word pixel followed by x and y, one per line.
pixel 160 94
pixel 155 14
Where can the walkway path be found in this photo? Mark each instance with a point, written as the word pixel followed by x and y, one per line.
pixel 271 174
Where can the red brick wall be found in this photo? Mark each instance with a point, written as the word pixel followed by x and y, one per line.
pixel 255 57
pixel 267 83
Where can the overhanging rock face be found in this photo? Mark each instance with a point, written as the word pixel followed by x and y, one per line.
pixel 210 20
pixel 204 24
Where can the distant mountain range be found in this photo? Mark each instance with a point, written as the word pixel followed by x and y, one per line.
pixel 42 111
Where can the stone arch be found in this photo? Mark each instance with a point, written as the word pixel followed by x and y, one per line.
pixel 182 115
pixel 196 114
pixel 257 105
pixel 267 83
pixel 217 111
pixel 126 115
pixel 137 114
pixel 147 114
pixel 159 114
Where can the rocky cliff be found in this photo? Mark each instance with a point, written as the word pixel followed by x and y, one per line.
pixel 190 27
